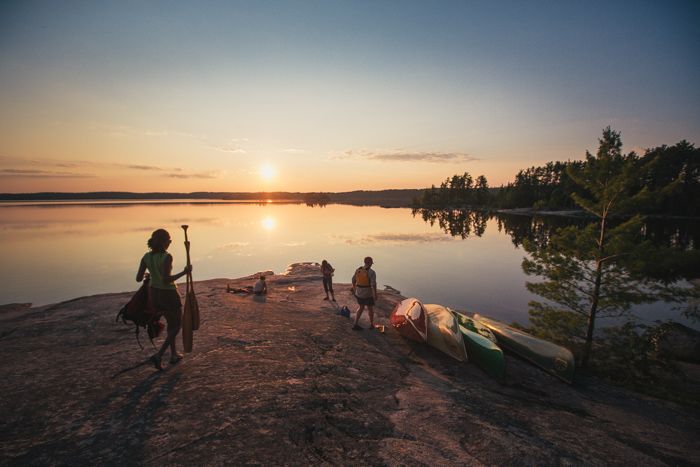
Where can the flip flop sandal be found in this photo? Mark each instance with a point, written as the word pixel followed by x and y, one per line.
pixel 157 362
pixel 176 359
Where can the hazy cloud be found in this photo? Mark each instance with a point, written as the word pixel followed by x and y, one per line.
pixel 191 175
pixel 232 246
pixel 229 148
pixel 32 173
pixel 294 151
pixel 147 167
pixel 408 156
pixel 20 166
pixel 294 244
pixel 126 130
pixel 233 146
pixel 394 238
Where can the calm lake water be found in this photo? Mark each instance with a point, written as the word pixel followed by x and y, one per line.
pixel 55 252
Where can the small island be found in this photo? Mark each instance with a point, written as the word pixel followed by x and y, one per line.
pixel 285 380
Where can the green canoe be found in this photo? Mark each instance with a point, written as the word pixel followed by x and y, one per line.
pixel 550 357
pixel 481 346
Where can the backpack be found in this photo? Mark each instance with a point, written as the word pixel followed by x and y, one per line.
pixel 361 277
pixel 139 311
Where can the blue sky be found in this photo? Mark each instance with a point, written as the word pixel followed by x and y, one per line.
pixel 332 95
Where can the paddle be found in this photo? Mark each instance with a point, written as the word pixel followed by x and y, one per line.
pixel 190 317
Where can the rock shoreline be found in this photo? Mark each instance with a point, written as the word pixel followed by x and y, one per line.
pixel 286 381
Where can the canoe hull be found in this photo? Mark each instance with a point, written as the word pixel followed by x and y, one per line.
pixel 410 320
pixel 481 346
pixel 552 358
pixel 444 333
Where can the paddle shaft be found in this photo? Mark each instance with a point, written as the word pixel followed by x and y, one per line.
pixel 187 244
pixel 187 250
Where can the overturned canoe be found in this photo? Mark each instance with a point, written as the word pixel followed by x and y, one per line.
pixel 410 320
pixel 481 346
pixel 552 358
pixel 444 333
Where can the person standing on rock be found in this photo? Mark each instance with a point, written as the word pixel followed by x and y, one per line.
pixel 364 286
pixel 163 291
pixel 327 271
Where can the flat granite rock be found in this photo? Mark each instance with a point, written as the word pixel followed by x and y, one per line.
pixel 285 380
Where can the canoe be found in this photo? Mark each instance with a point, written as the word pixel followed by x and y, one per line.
pixel 444 333
pixel 410 320
pixel 481 346
pixel 552 358
pixel 474 326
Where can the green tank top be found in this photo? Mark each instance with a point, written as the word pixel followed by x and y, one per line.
pixel 154 262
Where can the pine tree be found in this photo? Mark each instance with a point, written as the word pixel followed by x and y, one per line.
pixel 596 271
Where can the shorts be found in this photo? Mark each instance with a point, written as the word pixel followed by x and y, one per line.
pixel 328 284
pixel 169 303
pixel 369 301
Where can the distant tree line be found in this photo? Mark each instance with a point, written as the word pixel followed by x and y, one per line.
pixel 457 191
pixel 676 169
pixel 386 198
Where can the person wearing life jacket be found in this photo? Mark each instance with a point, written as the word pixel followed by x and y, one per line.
pixel 364 286
pixel 163 291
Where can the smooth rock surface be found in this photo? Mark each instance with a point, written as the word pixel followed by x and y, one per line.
pixel 285 380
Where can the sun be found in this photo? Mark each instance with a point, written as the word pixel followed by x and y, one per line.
pixel 267 172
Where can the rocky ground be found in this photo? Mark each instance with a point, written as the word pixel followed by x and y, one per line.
pixel 286 381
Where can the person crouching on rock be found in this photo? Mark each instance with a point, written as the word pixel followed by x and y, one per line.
pixel 163 291
pixel 327 271
pixel 260 287
pixel 364 286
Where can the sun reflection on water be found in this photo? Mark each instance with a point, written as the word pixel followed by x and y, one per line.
pixel 268 223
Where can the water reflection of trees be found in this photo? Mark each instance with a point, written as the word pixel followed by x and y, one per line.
pixel 456 222
pixel 537 229
pixel 679 234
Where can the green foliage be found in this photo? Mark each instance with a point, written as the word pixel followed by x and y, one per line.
pixel 557 324
pixel 626 355
pixel 673 175
pixel 670 176
pixel 545 187
pixel 599 270
pixel 457 191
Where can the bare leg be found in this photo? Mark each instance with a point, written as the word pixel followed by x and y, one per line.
pixel 174 325
pixel 169 341
pixel 370 310
pixel 358 313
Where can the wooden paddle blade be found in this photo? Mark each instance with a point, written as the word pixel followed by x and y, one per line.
pixel 187 325
pixel 195 311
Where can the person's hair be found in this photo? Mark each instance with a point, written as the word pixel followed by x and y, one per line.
pixel 262 278
pixel 159 240
pixel 368 259
pixel 324 262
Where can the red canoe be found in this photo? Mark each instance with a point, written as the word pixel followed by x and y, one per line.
pixel 410 319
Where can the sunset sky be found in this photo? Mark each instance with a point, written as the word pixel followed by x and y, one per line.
pixel 332 95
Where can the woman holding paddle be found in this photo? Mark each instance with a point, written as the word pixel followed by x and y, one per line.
pixel 163 291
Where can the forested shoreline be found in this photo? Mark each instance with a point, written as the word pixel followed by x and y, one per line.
pixel 669 174
pixel 604 264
